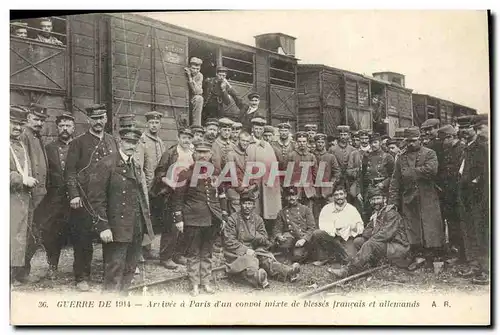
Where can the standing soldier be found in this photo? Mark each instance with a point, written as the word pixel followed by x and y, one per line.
pixel 199 210
pixel 329 168
pixel 198 133
pixel 84 153
pixel 268 134
pixel 222 144
pixel 195 82
pixel 448 180
pixel 54 209
pixel 283 146
pixel 413 192
pixel 392 147
pixel 311 130
pixel 342 152
pixel 430 130
pixel 211 130
pixel 356 142
pixel 118 196
pixel 32 138
pixel 376 171
pixel 354 170
pixel 21 203
pixel 235 132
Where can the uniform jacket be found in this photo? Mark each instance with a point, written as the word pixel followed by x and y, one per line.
pixel 387 226
pixel 342 155
pixel 150 151
pixel 39 165
pixel 116 193
pixel 448 169
pixel 412 190
pixel 296 157
pixel 240 158
pixel 282 151
pixel 196 205
pixel 245 117
pixel 376 167
pixel 297 220
pixel 331 171
pixel 85 152
pixel 220 150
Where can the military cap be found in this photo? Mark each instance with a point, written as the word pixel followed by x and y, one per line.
pixel 284 125
pixel 311 127
pixel 355 134
pixel 447 130
pixel 290 190
pixel 39 110
pixel 126 120
pixel 343 128
pixel 412 132
pixel 154 115
pixel 212 121
pixel 225 122
pixel 479 120
pixel 392 141
pixel 374 191
pixel 195 60
pixel 364 133
pixel 185 131
pixel 375 137
pixel 301 134
pixel 247 196
pixel 197 129
pixel 258 121
pixel 221 69
pixel 319 136
pixel 202 146
pixel 96 110
pixel 130 134
pixel 268 129
pixel 237 125
pixel 64 116
pixel 399 133
pixel 18 114
pixel 253 95
pixel 430 123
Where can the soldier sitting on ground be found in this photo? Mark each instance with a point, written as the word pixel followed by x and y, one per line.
pixel 246 247
pixel 383 237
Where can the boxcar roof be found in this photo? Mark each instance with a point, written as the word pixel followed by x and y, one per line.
pixel 448 101
pixel 196 34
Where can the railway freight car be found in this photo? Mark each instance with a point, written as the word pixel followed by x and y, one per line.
pixel 330 97
pixel 427 107
pixel 135 64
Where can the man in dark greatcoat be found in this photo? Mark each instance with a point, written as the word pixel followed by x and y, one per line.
pixel 118 196
pixel 413 191
pixel 84 153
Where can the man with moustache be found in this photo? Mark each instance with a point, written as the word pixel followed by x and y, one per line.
pixel 356 142
pixel 392 147
pixel 32 138
pixel 21 204
pixel 198 133
pixel 199 207
pixel 172 244
pixel 354 170
pixel 383 237
pixel 284 145
pixel 342 150
pixel 84 153
pixel 54 210
pixel 311 130
pixel 429 129
pixel 211 130
pixel 46 35
pixel 413 191
pixel 235 132
pixel 306 189
pixel 118 196
pixel 195 82
pixel 222 144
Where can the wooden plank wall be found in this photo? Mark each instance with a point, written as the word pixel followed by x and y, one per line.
pixel 332 88
pixel 308 97
pixel 242 89
pixel 262 79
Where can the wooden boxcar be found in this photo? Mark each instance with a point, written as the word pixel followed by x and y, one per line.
pixel 427 107
pixel 330 97
pixel 135 64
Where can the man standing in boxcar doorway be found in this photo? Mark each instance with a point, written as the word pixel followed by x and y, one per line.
pixel 413 191
pixel 46 35
pixel 84 153
pixel 195 82
pixel 215 94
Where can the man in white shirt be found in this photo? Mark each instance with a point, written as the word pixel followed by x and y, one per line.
pixel 339 224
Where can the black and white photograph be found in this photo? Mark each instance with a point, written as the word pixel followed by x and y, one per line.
pixel 288 167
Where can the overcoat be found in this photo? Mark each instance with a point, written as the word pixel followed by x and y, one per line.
pixel 39 165
pixel 413 191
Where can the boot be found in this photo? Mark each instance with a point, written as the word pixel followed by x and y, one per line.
pixel 83 286
pixel 180 260
pixel 169 264
pixel 262 278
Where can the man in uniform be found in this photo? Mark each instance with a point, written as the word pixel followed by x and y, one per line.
pixel 235 132
pixel 311 130
pixel 199 210
pixel 342 152
pixel 198 133
pixel 354 170
pixel 399 136
pixel 211 130
pixel 248 111
pixel 222 144
pixel 448 177
pixel 294 227
pixel 246 245
pixel 429 129
pixel 474 191
pixel 215 94
pixel 383 237
pixel 195 82
pixel 32 138
pixel 84 153
pixel 376 171
pixel 21 202
pixel 118 196
pixel 392 147
pixel 356 142
pixel 283 146
pixel 46 35
pixel 329 168
pixel 54 209
pixel 21 29
pixel 413 191
pixel 268 134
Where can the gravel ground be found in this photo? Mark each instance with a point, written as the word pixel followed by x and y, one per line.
pixel 390 279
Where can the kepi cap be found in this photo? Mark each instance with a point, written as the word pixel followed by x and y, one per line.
pixel 212 122
pixel 153 115
pixel 38 110
pixel 319 136
pixel 64 116
pixel 18 114
pixel 301 134
pixel 96 110
pixel 343 128
pixel 311 127
pixel 126 120
pixel 412 132
pixel 202 146
pixel 197 129
pixel 185 131
pixel 130 134
pixel 375 137
pixel 284 125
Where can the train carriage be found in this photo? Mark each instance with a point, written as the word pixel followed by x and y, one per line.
pixel 427 107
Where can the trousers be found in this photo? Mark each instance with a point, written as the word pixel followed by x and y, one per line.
pixel 295 254
pixel 335 247
pixel 199 242
pixel 82 236
pixel 196 108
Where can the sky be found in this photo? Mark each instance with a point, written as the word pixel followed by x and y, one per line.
pixel 441 53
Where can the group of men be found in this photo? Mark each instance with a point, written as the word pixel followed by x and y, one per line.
pixel 353 199
pixel 44 31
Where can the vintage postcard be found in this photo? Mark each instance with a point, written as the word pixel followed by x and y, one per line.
pixel 250 168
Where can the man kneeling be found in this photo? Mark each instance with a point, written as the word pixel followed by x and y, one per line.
pixel 384 235
pixel 246 248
